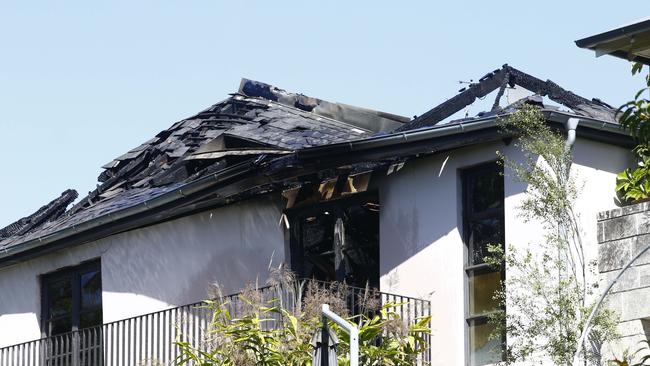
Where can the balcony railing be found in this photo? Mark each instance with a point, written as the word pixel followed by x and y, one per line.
pixel 148 340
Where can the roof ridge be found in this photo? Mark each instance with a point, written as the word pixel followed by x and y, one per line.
pixel 510 76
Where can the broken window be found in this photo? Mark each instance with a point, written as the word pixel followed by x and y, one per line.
pixel 483 223
pixel 337 240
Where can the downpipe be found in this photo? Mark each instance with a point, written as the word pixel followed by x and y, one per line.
pixel 572 124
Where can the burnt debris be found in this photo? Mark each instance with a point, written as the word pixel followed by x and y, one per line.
pixel 510 76
pixel 267 129
pixel 257 121
pixel 49 212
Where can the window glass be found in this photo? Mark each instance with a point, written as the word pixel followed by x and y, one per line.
pixel 72 299
pixel 483 222
pixel 481 233
pixel 483 349
pixel 485 190
pixel 482 288
pixel 91 289
pixel 60 298
pixel 62 325
pixel 90 319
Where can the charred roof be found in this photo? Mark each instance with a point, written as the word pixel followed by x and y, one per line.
pixel 262 135
pixel 508 76
pixel 259 119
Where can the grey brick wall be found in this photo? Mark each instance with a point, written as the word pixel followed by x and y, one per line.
pixel 622 232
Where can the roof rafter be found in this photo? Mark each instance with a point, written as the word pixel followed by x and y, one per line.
pixel 499 79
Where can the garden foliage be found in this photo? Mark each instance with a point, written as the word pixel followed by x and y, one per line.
pixel 279 331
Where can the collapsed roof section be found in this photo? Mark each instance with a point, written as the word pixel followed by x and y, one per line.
pixel 502 78
pixel 258 120
pixel 263 139
pixel 49 212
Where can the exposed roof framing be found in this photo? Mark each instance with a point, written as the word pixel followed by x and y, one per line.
pixel 499 79
pixel 258 120
pixel 264 139
pixel 49 212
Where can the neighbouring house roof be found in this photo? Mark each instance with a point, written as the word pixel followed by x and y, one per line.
pixel 264 139
pixel 630 42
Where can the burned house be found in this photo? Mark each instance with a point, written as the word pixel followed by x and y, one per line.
pixel 331 191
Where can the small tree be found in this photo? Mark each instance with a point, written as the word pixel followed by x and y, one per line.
pixel 635 115
pixel 548 288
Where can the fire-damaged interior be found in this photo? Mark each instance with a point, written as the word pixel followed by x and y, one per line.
pixel 337 240
pixel 333 226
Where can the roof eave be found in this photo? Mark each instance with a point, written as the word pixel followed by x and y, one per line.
pixel 32 247
pixel 593 41
pixel 397 145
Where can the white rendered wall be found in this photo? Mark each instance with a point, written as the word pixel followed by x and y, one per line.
pixel 153 268
pixel 422 253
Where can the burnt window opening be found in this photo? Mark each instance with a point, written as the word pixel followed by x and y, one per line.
pixel 337 240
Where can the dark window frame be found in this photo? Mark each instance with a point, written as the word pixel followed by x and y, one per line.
pixel 470 268
pixel 73 274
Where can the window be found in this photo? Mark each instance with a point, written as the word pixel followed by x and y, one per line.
pixel 483 224
pixel 72 299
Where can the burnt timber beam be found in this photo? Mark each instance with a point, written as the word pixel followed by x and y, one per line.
pixel 499 79
pixel 485 86
pixel 546 89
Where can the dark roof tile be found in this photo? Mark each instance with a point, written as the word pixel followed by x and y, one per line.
pixel 160 164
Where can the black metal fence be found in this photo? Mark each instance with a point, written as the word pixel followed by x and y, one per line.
pixel 148 340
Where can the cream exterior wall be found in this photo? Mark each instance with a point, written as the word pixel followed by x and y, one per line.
pixel 422 252
pixel 149 269
pixel 421 249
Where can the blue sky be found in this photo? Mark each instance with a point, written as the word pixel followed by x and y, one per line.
pixel 83 82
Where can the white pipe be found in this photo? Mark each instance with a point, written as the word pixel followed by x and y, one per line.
pixel 587 326
pixel 571 125
pixel 350 328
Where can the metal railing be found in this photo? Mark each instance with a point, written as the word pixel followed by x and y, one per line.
pixel 149 340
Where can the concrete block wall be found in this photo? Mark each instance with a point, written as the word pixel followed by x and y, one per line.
pixel 622 233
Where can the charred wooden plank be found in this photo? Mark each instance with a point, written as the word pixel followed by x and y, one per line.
pixel 485 86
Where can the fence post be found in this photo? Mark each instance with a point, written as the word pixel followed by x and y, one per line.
pixel 75 348
pixel 324 343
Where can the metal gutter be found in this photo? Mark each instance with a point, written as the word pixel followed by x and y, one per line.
pixel 406 143
pixel 166 198
pixel 396 138
pixel 423 134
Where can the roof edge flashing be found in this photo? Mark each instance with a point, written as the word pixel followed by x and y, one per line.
pixel 628 30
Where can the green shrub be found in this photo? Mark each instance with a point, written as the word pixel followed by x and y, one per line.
pixel 266 333
pixel 634 184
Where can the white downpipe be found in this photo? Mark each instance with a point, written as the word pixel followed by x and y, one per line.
pixel 571 125
pixel 351 329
